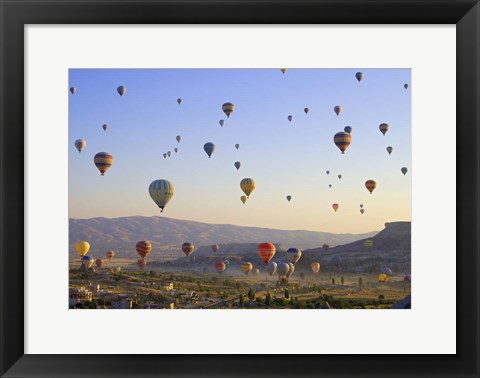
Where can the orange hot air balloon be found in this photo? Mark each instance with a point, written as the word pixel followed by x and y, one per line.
pixel 143 248
pixel 335 207
pixel 315 267
pixel 99 262
pixel 142 264
pixel 215 247
pixel 342 140
pixel 220 267
pixel 188 248
pixel 370 185
pixel 266 251
pixel 103 161
pixel 110 254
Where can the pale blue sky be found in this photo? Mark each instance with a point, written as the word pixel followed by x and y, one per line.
pixel 283 157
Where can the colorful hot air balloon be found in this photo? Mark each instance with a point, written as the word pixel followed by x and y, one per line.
pixel 294 255
pixel 362 211
pixel 370 185
pixel 188 248
pixel 382 278
pixel 368 243
pixel 209 148
pixel 389 150
pixel 73 90
pixel 99 263
pixel 142 264
pixel 347 129
pixel 405 86
pixel 335 207
pixel 178 138
pixel 80 144
pixel 121 90
pixel 289 198
pixel 161 192
pixel 237 165
pixel 87 261
pixel 175 149
pixel 271 268
pixel 359 76
pixel 143 247
pixel 220 267
pixel 237 146
pixel 339 177
pixel 283 70
pixel 383 128
pixel 179 101
pixel 248 186
pixel 315 266
pixel 282 270
pixel 110 255
pixel 105 127
pixel 404 170
pixel 246 267
pixel 342 140
pixel 291 270
pixel 82 248
pixel 228 108
pixel 306 110
pixel 325 247
pixel 266 251
pixel 221 122
pixel 103 161
pixel 169 153
pixel 290 118
pixel 243 199
pixel 337 109
pixel 215 248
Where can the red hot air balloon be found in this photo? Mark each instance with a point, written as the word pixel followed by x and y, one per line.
pixel 335 207
pixel 370 185
pixel 188 248
pixel 220 267
pixel 142 264
pixel 266 251
pixel 143 248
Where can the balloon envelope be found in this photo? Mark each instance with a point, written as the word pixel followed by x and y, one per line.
pixel 103 161
pixel 370 185
pixel 179 101
pixel 266 251
pixel 237 146
pixel 359 76
pixel 209 148
pixel 404 170
pixel 178 138
pixel 237 165
pixel 188 248
pixel 291 269
pixel 271 268
pixel 335 207
pixel 220 267
pixel 143 248
pixel 348 129
pixel 306 110
pixel 161 192
pixel 283 70
pixel 282 270
pixel 142 264
pixel 73 90
pixel 246 267
pixel 342 140
pixel 221 122
pixel 389 150
pixel 80 144
pixel 337 109
pixel 110 255
pixel 87 261
pixel 228 108
pixel 289 198
pixel 82 248
pixel 121 90
pixel 315 266
pixel 105 127
pixel 248 186
pixel 215 247
pixel 243 199
pixel 383 128
pixel 294 254
pixel 382 278
pixel 405 86
pixel 99 262
pixel 290 118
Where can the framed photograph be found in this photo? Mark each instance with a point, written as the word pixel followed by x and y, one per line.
pixel 281 188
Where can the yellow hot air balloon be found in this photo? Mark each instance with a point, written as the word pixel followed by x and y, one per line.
pixel 370 185
pixel 368 243
pixel 103 161
pixel 248 186
pixel 247 267
pixel 315 267
pixel 283 70
pixel 82 248
pixel 228 108
pixel 243 199
pixel 161 192
pixel 118 269
pixel 382 278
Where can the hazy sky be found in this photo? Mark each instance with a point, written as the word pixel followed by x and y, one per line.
pixel 283 157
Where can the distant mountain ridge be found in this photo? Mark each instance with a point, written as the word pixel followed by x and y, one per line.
pixel 121 234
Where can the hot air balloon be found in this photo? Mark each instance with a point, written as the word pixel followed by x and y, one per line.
pixel 73 90
pixel 315 266
pixel 266 251
pixel 221 122
pixel 291 270
pixel 142 263
pixel 248 186
pixel 215 248
pixel 99 262
pixel 383 128
pixel 188 248
pixel 178 138
pixel 105 127
pixel 290 118
pixel 179 101
pixel 339 177
pixel 243 199
pixel 87 261
pixel 347 129
pixel 161 192
pixel 337 109
pixel 228 108
pixel 329 185
pixel 335 207
pixel 282 270
pixel 82 248
pixel 121 90
pixel 386 270
pixel 368 243
pixel 382 278
pixel 342 140
pixel 370 185
pixel 246 267
pixel 362 211
pixel 175 149
pixel 164 156
pixel 283 70
pixel 289 198
pixel 118 269
pixel 143 247
pixel 361 205
pixel 389 150
pixel 103 161
pixel 209 148
pixel 256 272
pixel 405 86
pixel 237 146
pixel 294 255
pixel 404 170
pixel 359 76
pixel 237 165
pixel 271 268
pixel 80 144
pixel 328 172
pixel 227 263
pixel 325 247
pixel 110 254
pixel 306 110
pixel 407 278
pixel 220 267
pixel 169 153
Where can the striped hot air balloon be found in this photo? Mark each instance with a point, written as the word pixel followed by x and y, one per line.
pixel 215 248
pixel 80 144
pixel 383 128
pixel 188 248
pixel 248 186
pixel 342 140
pixel 82 248
pixel 315 266
pixel 142 264
pixel 246 267
pixel 335 207
pixel 99 262
pixel 143 247
pixel 370 185
pixel 266 251
pixel 294 255
pixel 103 161
pixel 161 192
pixel 228 108
pixel 220 267
pixel 110 254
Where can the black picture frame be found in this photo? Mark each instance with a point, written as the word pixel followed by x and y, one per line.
pixel 17 13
